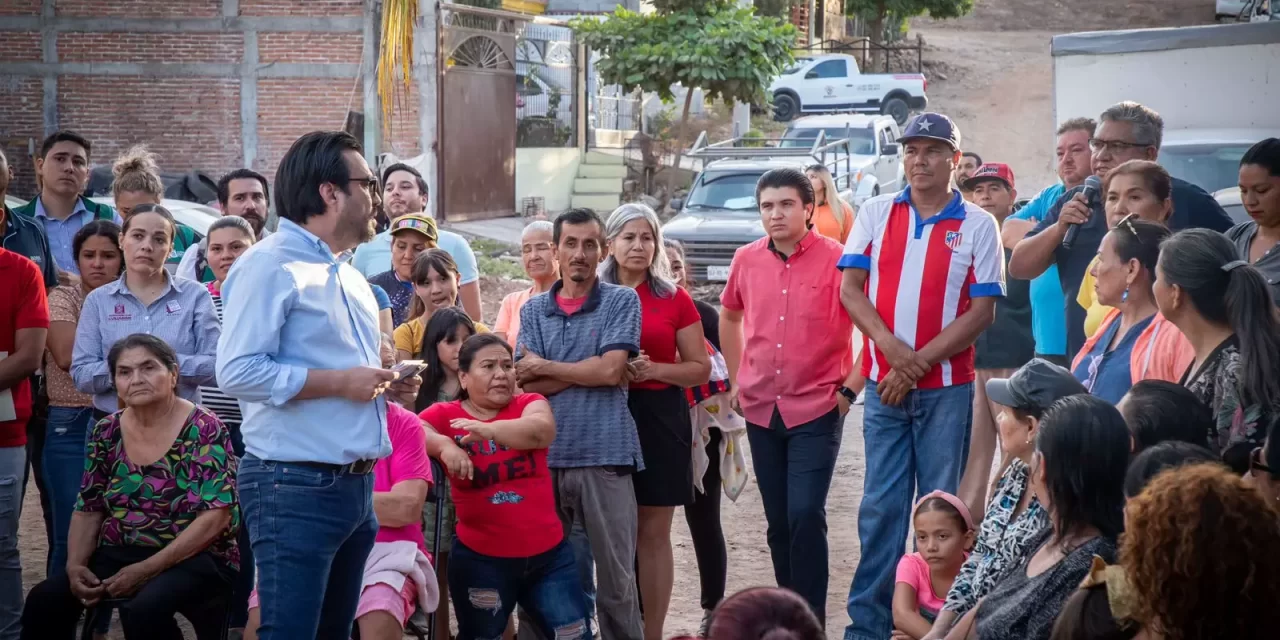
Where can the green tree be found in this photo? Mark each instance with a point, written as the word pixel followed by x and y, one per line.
pixel 875 12
pixel 775 8
pixel 727 51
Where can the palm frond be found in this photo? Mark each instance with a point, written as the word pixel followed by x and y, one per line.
pixel 395 56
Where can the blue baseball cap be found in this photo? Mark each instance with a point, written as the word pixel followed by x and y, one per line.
pixel 934 126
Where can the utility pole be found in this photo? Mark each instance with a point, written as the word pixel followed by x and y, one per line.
pixel 369 84
pixel 426 71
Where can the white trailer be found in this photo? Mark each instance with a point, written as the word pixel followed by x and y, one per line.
pixel 1216 86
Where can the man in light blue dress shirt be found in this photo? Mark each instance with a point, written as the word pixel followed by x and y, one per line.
pixel 300 350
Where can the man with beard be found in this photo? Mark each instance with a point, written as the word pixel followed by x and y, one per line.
pixel 404 192
pixel 574 345
pixel 969 163
pixel 300 351
pixel 1126 131
pixel 242 193
pixel 1047 321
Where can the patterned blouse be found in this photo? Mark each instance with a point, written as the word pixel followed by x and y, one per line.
pixel 1237 429
pixel 64 306
pixel 149 506
pixel 1000 543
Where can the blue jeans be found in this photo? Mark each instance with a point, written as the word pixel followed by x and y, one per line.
pixel 311 531
pixel 13 467
pixel 64 450
pixel 912 449
pixel 485 590
pixel 793 469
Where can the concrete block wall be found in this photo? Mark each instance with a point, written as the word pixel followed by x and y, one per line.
pixel 207 84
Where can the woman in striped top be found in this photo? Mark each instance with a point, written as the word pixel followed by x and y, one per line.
pixel 229 237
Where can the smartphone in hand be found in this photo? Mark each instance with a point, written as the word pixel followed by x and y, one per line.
pixel 409 368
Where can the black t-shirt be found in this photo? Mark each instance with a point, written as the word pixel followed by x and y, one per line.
pixel 1022 608
pixel 1193 208
pixel 710 322
pixel 1008 343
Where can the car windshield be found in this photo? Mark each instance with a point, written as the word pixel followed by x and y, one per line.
pixel 1208 166
pixel 861 141
pixel 722 190
pixel 800 62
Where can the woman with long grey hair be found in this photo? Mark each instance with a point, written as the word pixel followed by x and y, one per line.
pixel 673 355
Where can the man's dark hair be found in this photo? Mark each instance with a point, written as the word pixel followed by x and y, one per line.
pixel 224 184
pixel 1166 455
pixel 575 216
pixel 400 166
pixel 312 160
pixel 976 158
pixel 64 136
pixel 1159 411
pixel 783 177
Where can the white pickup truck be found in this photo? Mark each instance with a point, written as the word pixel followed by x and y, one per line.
pixel 833 83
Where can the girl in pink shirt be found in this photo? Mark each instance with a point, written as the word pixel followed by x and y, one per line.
pixel 944 536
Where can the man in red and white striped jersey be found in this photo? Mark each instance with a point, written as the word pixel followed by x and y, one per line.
pixel 922 272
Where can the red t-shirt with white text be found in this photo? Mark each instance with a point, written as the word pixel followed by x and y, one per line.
pixel 508 508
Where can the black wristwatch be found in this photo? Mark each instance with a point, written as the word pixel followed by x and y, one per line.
pixel 849 394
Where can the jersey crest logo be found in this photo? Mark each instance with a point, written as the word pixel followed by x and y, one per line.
pixel 953 240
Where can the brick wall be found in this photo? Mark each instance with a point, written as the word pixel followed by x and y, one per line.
pixel 191 120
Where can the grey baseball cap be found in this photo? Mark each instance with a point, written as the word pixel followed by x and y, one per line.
pixel 1035 386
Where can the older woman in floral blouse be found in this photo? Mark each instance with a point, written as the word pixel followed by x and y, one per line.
pixel 157 517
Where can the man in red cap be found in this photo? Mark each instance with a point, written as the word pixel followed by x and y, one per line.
pixel 1006 345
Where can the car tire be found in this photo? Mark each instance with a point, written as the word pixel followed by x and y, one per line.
pixel 897 107
pixel 785 107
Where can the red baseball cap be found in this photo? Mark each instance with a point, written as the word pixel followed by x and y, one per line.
pixel 989 171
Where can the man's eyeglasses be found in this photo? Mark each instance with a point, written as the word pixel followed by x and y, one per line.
pixel 370 183
pixel 1256 463
pixel 1114 146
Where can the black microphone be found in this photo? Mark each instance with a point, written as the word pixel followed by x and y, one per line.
pixel 1092 186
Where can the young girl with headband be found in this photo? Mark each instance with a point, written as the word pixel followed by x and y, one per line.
pixel 944 535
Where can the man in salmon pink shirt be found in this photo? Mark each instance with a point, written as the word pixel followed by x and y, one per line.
pixel 922 272
pixel 786 341
pixel 24 325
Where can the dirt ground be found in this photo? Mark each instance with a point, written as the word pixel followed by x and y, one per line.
pixel 990 71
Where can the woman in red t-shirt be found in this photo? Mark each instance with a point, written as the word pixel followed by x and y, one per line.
pixel 509 547
pixel 673 355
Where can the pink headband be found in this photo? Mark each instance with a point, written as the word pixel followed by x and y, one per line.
pixel 951 500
